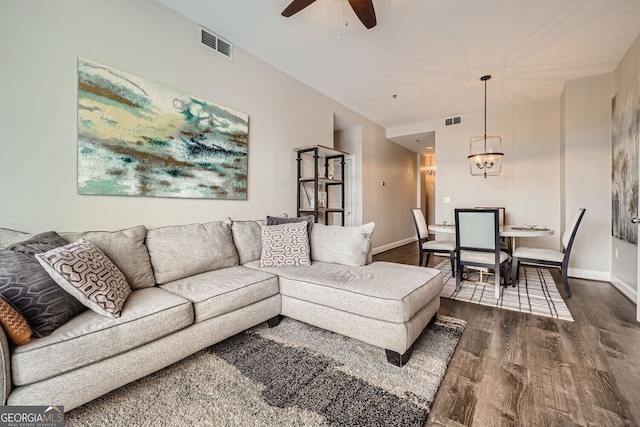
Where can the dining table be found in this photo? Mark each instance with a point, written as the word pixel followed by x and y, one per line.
pixel 511 232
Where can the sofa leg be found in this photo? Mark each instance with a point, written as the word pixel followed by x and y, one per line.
pixel 274 321
pixel 398 359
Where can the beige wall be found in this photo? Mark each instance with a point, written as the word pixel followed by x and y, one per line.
pixel 527 186
pixel 389 204
pixel 38 116
pixel 587 171
pixel 557 159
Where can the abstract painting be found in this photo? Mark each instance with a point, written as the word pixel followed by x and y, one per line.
pixel 625 109
pixel 139 138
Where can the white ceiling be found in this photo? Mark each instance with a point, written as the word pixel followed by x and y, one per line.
pixel 429 53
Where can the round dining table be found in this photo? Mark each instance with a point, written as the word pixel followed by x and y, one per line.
pixel 509 231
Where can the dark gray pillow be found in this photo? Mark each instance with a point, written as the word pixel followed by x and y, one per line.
pixel 28 287
pixel 277 220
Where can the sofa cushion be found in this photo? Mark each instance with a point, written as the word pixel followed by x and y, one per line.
pixel 126 249
pixel 84 271
pixel 285 245
pixel 31 290
pixel 8 237
pixel 341 245
pixel 224 290
pixel 184 250
pixel 247 239
pixel 381 290
pixel 149 314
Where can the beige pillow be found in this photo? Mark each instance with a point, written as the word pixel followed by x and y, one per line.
pixel 184 250
pixel 126 249
pixel 285 245
pixel 8 237
pixel 84 271
pixel 247 239
pixel 341 245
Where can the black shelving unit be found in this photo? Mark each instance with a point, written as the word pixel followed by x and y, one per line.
pixel 316 179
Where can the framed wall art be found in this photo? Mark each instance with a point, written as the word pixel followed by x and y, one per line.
pixel 139 138
pixel 625 110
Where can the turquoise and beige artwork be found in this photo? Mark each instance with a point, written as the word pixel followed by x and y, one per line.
pixel 625 140
pixel 139 138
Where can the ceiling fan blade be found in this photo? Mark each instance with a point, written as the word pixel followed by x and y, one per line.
pixel 296 6
pixel 364 10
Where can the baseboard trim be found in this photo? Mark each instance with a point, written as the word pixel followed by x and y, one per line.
pixel 580 273
pixel 393 245
pixel 626 289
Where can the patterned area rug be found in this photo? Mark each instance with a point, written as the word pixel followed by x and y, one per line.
pixel 291 375
pixel 536 292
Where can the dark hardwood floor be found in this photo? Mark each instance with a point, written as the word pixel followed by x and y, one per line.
pixel 514 369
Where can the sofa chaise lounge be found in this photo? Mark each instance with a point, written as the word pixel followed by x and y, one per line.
pixel 194 285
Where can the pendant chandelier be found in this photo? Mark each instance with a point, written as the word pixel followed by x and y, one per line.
pixel 431 169
pixel 485 152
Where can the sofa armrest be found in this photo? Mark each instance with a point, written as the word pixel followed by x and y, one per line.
pixel 5 368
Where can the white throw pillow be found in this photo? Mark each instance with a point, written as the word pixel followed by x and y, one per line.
pixel 341 245
pixel 285 245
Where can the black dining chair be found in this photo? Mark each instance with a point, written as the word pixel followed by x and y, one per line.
pixel 426 246
pixel 550 257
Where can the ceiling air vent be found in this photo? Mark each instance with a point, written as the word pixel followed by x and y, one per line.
pixel 452 121
pixel 213 41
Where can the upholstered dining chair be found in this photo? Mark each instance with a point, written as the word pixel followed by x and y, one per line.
pixel 478 244
pixel 550 257
pixel 504 245
pixel 426 246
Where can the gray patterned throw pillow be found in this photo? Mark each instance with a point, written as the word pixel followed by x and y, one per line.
pixel 285 245
pixel 85 272
pixel 28 287
pixel 277 220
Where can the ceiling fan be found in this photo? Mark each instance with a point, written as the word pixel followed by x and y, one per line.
pixel 363 9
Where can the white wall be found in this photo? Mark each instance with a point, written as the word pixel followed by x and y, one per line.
pixel 555 162
pixel 587 167
pixel 528 185
pixel 41 42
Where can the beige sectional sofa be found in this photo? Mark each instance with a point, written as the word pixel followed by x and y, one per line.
pixel 197 284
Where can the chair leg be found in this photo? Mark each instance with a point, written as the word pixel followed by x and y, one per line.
pixel 505 274
pixel 420 252
pixel 514 270
pixel 452 257
pixel 565 280
pixel 458 277
pixel 426 264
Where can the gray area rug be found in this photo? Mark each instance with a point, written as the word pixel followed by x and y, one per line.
pixel 291 375
pixel 536 292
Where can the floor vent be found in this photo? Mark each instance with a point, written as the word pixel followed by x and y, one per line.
pixel 213 41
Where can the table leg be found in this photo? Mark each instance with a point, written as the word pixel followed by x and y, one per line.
pixel 511 243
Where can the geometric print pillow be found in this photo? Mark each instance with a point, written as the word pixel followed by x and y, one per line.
pixel 285 245
pixel 84 271
pixel 28 287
